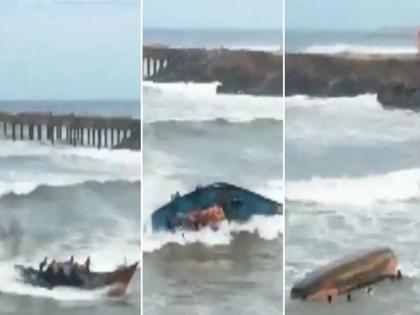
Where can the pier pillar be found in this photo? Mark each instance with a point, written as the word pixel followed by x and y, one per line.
pixel 39 132
pixel 52 134
pixel 119 136
pixel 157 65
pixel 82 136
pixel 151 68
pixel 13 131
pixel 106 137
pixel 31 132
pixel 74 136
pixel 93 136
pixel 125 134
pixel 89 135
pixel 112 137
pixel 5 129
pixel 21 131
pixel 145 67
pixel 99 138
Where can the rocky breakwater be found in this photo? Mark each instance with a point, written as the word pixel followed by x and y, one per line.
pixel 399 96
pixel 238 71
pixel 348 75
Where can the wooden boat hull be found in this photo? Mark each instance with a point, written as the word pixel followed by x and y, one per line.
pixel 116 282
pixel 346 275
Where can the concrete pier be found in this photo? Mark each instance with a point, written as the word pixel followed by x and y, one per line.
pixel 72 129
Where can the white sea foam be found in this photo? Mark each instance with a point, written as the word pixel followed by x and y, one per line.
pixel 341 48
pixel 359 120
pixel 366 190
pixel 267 228
pixel 199 101
pixel 75 165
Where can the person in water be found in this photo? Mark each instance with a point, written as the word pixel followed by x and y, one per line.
pixel 43 264
pixel 50 272
pixel 87 265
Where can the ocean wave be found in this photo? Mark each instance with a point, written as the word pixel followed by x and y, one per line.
pixel 41 191
pixel 342 48
pixel 402 185
pixel 31 184
pixel 360 119
pixel 199 101
pixel 36 149
pixel 267 228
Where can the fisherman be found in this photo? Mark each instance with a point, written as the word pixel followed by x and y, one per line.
pixel 87 265
pixel 50 273
pixel 43 264
pixel 61 277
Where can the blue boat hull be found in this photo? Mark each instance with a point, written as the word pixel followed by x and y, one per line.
pixel 239 204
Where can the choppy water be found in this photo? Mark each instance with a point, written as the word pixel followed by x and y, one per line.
pixel 193 136
pixel 60 201
pixel 390 41
pixel 353 182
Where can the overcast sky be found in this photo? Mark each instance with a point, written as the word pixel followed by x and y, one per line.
pixel 246 14
pixel 352 14
pixel 85 50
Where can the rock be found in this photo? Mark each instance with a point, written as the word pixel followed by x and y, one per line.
pixel 399 95
pixel 238 71
pixel 347 75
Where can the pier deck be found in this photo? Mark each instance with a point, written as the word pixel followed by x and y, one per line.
pixel 72 129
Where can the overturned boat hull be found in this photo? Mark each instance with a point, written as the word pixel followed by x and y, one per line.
pixel 346 275
pixel 237 203
pixel 116 282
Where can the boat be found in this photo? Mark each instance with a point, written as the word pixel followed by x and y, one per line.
pixel 237 204
pixel 348 274
pixel 115 282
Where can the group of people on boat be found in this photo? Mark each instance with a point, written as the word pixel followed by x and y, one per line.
pixel 64 273
pixel 197 219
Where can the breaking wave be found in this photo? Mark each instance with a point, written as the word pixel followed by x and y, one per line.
pixel 343 48
pixel 199 101
pixel 268 228
pixel 367 190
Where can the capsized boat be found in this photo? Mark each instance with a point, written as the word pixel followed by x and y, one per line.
pixel 209 205
pixel 347 274
pixel 115 282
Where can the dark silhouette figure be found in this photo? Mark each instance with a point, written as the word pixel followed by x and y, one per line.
pixel 43 264
pixel 87 265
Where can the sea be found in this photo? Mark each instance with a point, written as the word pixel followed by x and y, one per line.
pixel 58 201
pixel 194 136
pixel 353 180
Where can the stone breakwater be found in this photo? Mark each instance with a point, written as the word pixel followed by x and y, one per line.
pixel 238 71
pixel 348 75
pixel 394 78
